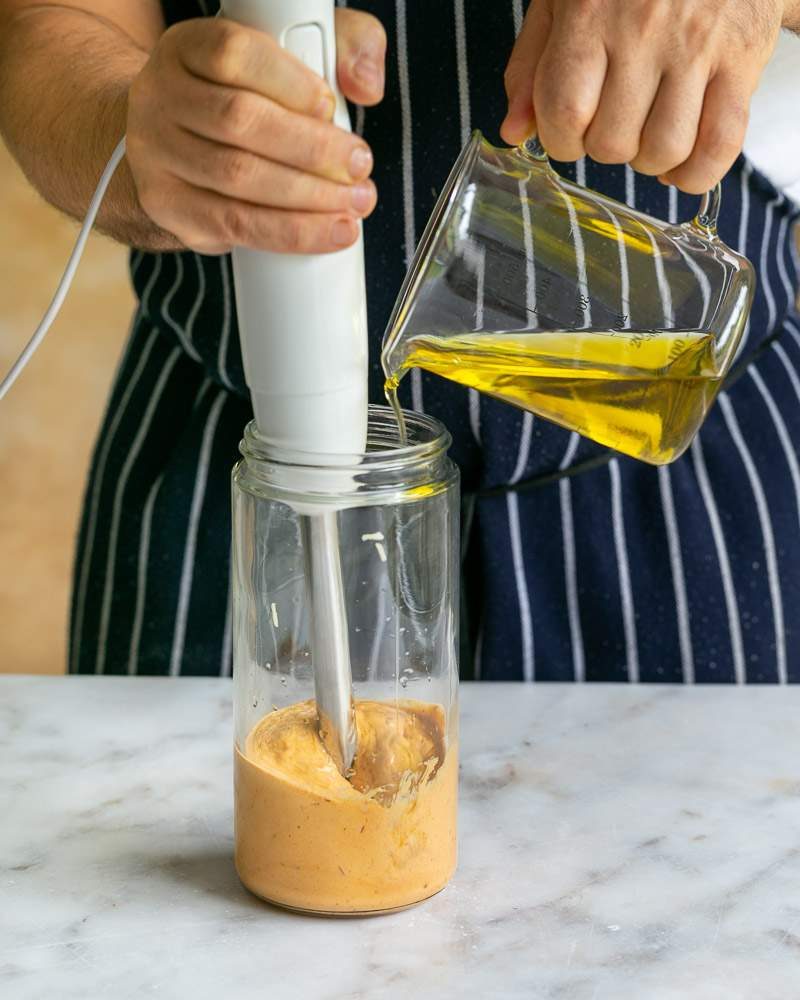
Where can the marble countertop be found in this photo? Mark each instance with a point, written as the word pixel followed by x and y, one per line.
pixel 617 843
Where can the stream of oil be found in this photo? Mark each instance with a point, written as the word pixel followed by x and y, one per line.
pixel 643 393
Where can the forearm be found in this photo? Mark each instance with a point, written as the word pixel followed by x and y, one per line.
pixel 791 15
pixel 64 78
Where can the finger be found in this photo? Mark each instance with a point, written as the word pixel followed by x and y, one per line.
pixel 250 60
pixel 670 131
pixel 211 223
pixel 720 136
pixel 628 93
pixel 247 177
pixel 568 84
pixel 519 122
pixel 360 56
pixel 253 123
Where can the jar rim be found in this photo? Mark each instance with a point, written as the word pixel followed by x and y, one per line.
pixel 427 439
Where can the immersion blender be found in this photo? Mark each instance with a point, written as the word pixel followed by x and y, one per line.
pixel 303 328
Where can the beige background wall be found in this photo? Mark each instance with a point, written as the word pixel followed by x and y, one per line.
pixel 48 420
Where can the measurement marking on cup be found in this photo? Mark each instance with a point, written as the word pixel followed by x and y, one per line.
pixel 274 611
pixel 376 537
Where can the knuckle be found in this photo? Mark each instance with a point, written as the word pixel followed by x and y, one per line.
pixel 227 51
pixel 692 181
pixel 238 113
pixel 559 148
pixel 719 143
pixel 296 189
pixel 721 138
pixel 318 148
pixel 583 10
pixel 659 159
pixel 606 148
pixel 173 37
pixel 235 169
pixel 327 149
pixel 567 115
pixel 233 226
pixel 292 233
pixel 671 150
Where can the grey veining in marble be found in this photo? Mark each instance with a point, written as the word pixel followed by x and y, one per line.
pixel 617 843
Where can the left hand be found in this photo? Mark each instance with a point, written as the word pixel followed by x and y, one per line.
pixel 664 85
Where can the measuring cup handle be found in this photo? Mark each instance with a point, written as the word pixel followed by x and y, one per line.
pixel 533 148
pixel 708 213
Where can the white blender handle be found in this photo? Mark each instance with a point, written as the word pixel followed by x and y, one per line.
pixel 303 317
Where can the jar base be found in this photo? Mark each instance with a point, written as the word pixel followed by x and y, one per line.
pixel 308 912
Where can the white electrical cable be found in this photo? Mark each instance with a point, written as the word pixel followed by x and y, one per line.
pixel 69 273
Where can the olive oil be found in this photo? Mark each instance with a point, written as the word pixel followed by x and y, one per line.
pixel 643 393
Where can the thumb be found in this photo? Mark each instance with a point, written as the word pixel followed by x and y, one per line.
pixel 361 56
pixel 520 121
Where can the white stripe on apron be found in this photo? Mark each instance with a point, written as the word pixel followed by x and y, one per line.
pixel 516 7
pixel 668 505
pixel 141 576
pixel 766 530
pixel 116 513
pixel 734 624
pixel 465 116
pixel 408 168
pixel 570 562
pixel 678 575
pixel 180 333
pixel 626 592
pixel 97 487
pixel 782 431
pixel 526 622
pixel 187 570
pixel 143 559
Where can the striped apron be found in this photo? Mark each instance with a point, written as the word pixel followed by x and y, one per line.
pixel 578 564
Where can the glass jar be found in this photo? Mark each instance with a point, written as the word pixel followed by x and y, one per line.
pixel 307 837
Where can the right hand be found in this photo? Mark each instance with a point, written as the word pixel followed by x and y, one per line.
pixel 230 139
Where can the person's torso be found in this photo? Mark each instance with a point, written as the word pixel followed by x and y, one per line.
pixel 444 74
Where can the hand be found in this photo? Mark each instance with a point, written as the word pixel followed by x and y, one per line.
pixel 230 139
pixel 664 85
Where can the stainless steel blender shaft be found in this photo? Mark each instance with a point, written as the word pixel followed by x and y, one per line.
pixel 330 647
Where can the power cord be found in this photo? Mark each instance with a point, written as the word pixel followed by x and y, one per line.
pixel 69 273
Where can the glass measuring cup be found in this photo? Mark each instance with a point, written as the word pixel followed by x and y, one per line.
pixel 568 303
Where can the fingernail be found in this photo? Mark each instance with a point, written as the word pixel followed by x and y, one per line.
pixel 326 107
pixel 342 234
pixel 361 197
pixel 360 163
pixel 369 74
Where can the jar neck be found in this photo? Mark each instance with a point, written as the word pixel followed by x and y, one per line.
pixel 386 468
